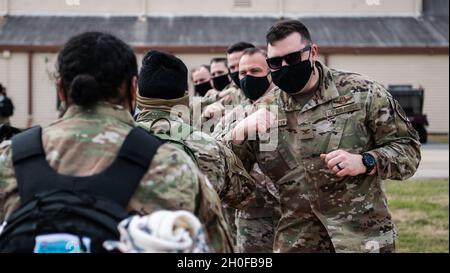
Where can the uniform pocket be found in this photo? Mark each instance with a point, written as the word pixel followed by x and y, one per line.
pixel 324 179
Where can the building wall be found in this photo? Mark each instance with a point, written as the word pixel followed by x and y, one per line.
pixel 224 7
pixel 44 89
pixel 428 71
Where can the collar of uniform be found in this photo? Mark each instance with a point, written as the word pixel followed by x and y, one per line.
pixel 151 115
pixel 103 109
pixel 268 97
pixel 326 92
pixel 230 86
pixel 152 108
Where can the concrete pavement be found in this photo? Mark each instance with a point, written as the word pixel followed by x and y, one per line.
pixel 435 162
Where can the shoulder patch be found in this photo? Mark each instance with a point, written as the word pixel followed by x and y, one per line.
pixel 399 110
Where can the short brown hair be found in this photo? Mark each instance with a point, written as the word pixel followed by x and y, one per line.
pixel 238 47
pixel 253 51
pixel 284 28
pixel 219 60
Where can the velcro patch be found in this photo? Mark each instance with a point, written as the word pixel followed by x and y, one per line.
pixel 342 110
pixel 306 131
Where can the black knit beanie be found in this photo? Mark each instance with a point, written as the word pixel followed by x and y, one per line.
pixel 162 76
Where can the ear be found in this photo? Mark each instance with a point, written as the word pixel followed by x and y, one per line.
pixel 133 95
pixel 134 86
pixel 314 53
pixel 269 77
pixel 60 90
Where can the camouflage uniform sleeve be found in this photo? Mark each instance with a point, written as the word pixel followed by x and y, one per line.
pixel 208 156
pixel 173 182
pixel 9 197
pixel 210 213
pixel 225 172
pixel 397 143
pixel 225 125
pixel 239 186
pixel 232 98
pixel 245 152
pixel 209 98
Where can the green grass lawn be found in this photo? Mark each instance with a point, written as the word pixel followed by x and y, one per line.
pixel 420 211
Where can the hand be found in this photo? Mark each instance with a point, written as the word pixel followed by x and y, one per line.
pixel 211 93
pixel 351 164
pixel 212 110
pixel 225 93
pixel 258 122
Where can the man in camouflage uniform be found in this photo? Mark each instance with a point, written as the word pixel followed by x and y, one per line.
pixel 214 106
pixel 234 54
pixel 159 115
pixel 256 223
pixel 339 135
pixel 201 78
pixel 220 80
pixel 232 94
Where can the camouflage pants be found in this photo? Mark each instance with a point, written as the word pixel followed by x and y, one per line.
pixel 388 249
pixel 256 224
pixel 256 235
pixel 230 218
pixel 304 234
pixel 310 237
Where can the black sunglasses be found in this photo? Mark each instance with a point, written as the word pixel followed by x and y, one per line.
pixel 291 58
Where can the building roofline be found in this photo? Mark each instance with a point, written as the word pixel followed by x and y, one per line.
pixel 222 49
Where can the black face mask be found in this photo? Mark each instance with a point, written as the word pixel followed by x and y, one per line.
pixel 254 87
pixel 235 77
pixel 293 78
pixel 220 82
pixel 202 88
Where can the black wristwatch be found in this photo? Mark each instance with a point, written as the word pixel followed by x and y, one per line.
pixel 368 161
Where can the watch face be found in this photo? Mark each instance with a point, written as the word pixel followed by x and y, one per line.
pixel 370 160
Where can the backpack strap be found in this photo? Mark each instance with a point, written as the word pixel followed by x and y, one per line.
pixel 118 182
pixel 27 144
pixel 178 138
pixel 179 143
pixel 28 157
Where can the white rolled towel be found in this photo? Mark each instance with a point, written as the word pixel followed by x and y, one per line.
pixel 161 231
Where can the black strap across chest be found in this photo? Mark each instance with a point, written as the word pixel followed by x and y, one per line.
pixel 117 182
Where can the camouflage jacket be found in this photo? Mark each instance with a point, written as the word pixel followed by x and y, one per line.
pixel 218 162
pixel 349 112
pixel 266 197
pixel 245 108
pixel 210 97
pixel 234 96
pixel 85 142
